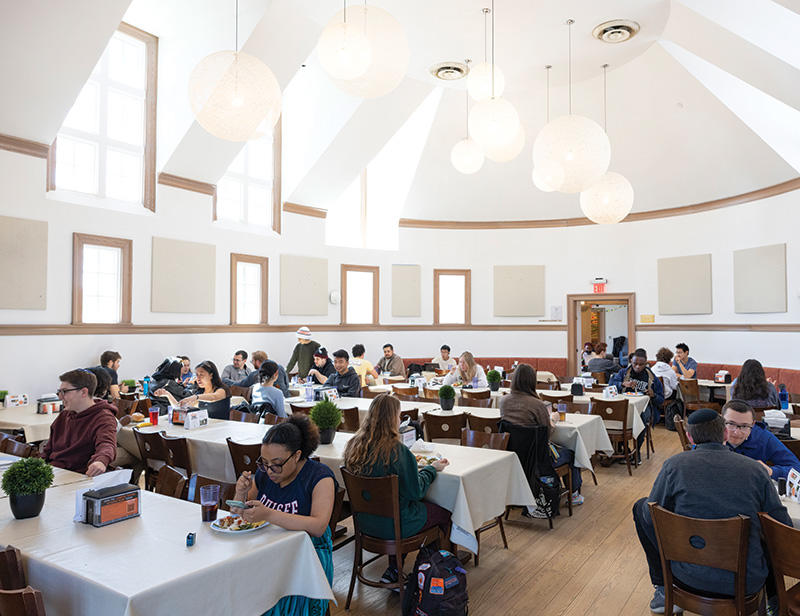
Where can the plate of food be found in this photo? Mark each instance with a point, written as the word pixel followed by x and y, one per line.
pixel 424 459
pixel 236 524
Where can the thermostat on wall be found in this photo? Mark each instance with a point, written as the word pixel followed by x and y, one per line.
pixel 335 297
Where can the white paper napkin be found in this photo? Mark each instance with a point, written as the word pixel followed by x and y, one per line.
pixel 106 480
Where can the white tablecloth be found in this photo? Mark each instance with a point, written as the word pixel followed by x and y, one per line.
pixel 142 567
pixel 36 426
pixel 61 477
pixel 636 406
pixel 475 487
pixel 713 385
pixel 362 404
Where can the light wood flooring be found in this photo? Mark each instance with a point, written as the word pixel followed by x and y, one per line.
pixel 590 563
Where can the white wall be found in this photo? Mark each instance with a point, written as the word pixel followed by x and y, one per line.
pixel 625 254
pixel 616 324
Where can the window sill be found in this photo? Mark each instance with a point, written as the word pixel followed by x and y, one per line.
pixel 245 228
pixel 78 198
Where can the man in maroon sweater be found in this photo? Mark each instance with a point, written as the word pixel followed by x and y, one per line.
pixel 84 436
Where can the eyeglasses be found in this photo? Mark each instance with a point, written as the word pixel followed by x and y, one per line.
pixel 61 392
pixel 262 465
pixel 733 427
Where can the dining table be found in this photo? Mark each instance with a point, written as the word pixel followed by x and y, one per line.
pixel 35 426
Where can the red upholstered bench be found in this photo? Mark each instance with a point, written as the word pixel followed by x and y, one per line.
pixel 556 365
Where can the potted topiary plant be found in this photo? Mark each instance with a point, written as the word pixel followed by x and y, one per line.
pixel 494 378
pixel 25 482
pixel 327 416
pixel 447 397
pixel 130 384
pixel 3 394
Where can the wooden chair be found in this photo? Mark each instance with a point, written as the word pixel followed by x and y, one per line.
pixel 690 392
pixel 381 496
pixel 151 447
pixel 304 409
pixel 128 395
pixel 784 555
pixel 617 410
pixel 680 427
pixel 243 417
pixel 341 511
pixel 177 450
pixel 724 546
pixel 413 414
pixel 507 383
pixel 793 445
pixel 125 406
pixel 351 420
pixel 430 394
pixel 473 438
pixel 405 390
pixel 444 426
pixel 440 372
pixel 600 377
pixel 243 456
pixel 12 575
pixel 227 491
pixel 475 395
pixel 21 602
pixel 144 405
pixel 367 393
pixel 482 424
pixel 238 390
pixel 15 448
pixel 271 419
pixel 170 482
pixel 554 400
pixel 480 403
pixel 406 398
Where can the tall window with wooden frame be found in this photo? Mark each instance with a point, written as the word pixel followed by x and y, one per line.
pixel 360 294
pixel 451 296
pixel 107 144
pixel 249 289
pixel 101 279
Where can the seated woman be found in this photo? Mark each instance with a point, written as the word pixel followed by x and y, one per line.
pixel 524 408
pixel 295 493
pixel 376 451
pixel 213 394
pixel 187 376
pixel 266 392
pixel 467 373
pixel 753 387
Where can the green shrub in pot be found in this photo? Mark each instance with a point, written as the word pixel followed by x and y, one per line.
pixel 328 417
pixel 447 397
pixel 25 482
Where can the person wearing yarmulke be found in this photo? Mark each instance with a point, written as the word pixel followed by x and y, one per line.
pixel 709 482
pixel 303 354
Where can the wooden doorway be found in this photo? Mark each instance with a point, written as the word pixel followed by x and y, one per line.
pixel 574 303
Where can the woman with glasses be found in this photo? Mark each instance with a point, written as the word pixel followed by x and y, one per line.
pixel 211 391
pixel 295 493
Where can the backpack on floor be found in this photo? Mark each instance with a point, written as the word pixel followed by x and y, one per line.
pixel 673 408
pixel 437 586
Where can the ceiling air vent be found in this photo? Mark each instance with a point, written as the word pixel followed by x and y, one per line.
pixel 616 31
pixel 449 71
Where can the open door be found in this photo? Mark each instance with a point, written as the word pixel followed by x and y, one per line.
pixel 598 317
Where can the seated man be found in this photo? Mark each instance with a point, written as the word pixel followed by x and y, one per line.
pixel 601 361
pixel 267 391
pixel 110 361
pixel 323 367
pixel 709 482
pixel 238 369
pixel 444 360
pixel 639 378
pixel 683 365
pixel 345 379
pixel 258 358
pixel 751 439
pixel 83 438
pixel 391 362
pixel 363 367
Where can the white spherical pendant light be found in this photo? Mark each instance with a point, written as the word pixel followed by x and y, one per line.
pixel 579 145
pixel 344 51
pixel 493 123
pixel 388 49
pixel 548 176
pixel 509 151
pixel 479 81
pixel 232 94
pixel 466 156
pixel 609 200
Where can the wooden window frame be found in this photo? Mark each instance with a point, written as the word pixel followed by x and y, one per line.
pixel 237 258
pixel 467 294
pixel 376 291
pixel 79 240
pixel 150 103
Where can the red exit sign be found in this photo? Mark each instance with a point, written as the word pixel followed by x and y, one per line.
pixel 599 287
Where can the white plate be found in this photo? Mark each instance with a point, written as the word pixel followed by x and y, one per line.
pixel 236 532
pixel 438 456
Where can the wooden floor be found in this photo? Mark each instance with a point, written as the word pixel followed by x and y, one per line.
pixel 590 563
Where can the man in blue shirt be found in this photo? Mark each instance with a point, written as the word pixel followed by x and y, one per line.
pixel 639 378
pixel 751 439
pixel 683 365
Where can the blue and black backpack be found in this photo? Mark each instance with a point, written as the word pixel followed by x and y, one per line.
pixel 437 586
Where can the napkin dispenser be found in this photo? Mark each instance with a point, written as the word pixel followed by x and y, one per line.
pixel 48 404
pixel 195 419
pixel 576 389
pixel 408 436
pixel 112 504
pixel 15 400
pixel 723 376
pixel 610 392
pixel 178 415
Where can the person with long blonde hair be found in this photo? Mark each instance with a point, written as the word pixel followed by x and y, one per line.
pixel 377 451
pixel 467 372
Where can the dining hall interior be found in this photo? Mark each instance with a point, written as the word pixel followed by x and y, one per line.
pixel 510 279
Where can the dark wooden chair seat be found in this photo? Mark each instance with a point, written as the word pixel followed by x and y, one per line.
pixel 444 426
pixel 21 602
pixel 617 410
pixel 483 424
pixel 243 456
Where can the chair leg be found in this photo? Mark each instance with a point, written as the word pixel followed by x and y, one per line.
pixel 478 551
pixel 569 487
pixel 400 576
pixel 627 457
pixel 647 444
pixel 357 555
pixel 508 510
pixel 594 477
pixel 502 534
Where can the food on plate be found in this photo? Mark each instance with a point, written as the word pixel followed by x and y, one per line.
pixel 423 460
pixel 235 522
pixel 137 417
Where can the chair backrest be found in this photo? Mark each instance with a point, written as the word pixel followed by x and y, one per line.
pixel 441 371
pixel 336 513
pixel 413 414
pixel 243 456
pixel 238 390
pixel 793 445
pixel 15 448
pixel 12 576
pixel 680 428
pixel 351 419
pixel 430 394
pixel 177 450
pixel 476 395
pixel 271 419
pixel 554 399
pixel 600 377
pixel 486 440
pixel 444 426
pixel 530 443
pixel 125 406
pixel 21 602
pixel 480 403
pixel 150 445
pixel 506 383
pixel 367 393
pixel 227 490
pixel 304 409
pixel 721 544
pixel 244 417
pixel 170 482
pixel 406 397
pixel 483 424
pixel 610 410
pixel 373 495
pixel 783 545
pixel 689 390
pixel 406 390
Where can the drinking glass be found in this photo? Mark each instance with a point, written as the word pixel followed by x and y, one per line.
pixel 154 416
pixel 209 500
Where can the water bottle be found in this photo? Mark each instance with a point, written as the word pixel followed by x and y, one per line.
pixel 309 390
pixel 146 386
pixel 783 396
pixel 474 381
pixel 294 381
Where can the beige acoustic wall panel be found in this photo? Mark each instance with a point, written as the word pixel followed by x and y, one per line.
pixel 759 279
pixel 519 290
pixel 304 286
pixel 406 290
pixel 23 264
pixel 684 285
pixel 178 288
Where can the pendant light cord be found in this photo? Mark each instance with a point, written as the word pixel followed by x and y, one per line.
pixel 492 48
pixel 345 10
pixel 569 61
pixel 485 35
pixel 605 101
pixel 548 67
pixel 236 47
pixel 466 122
